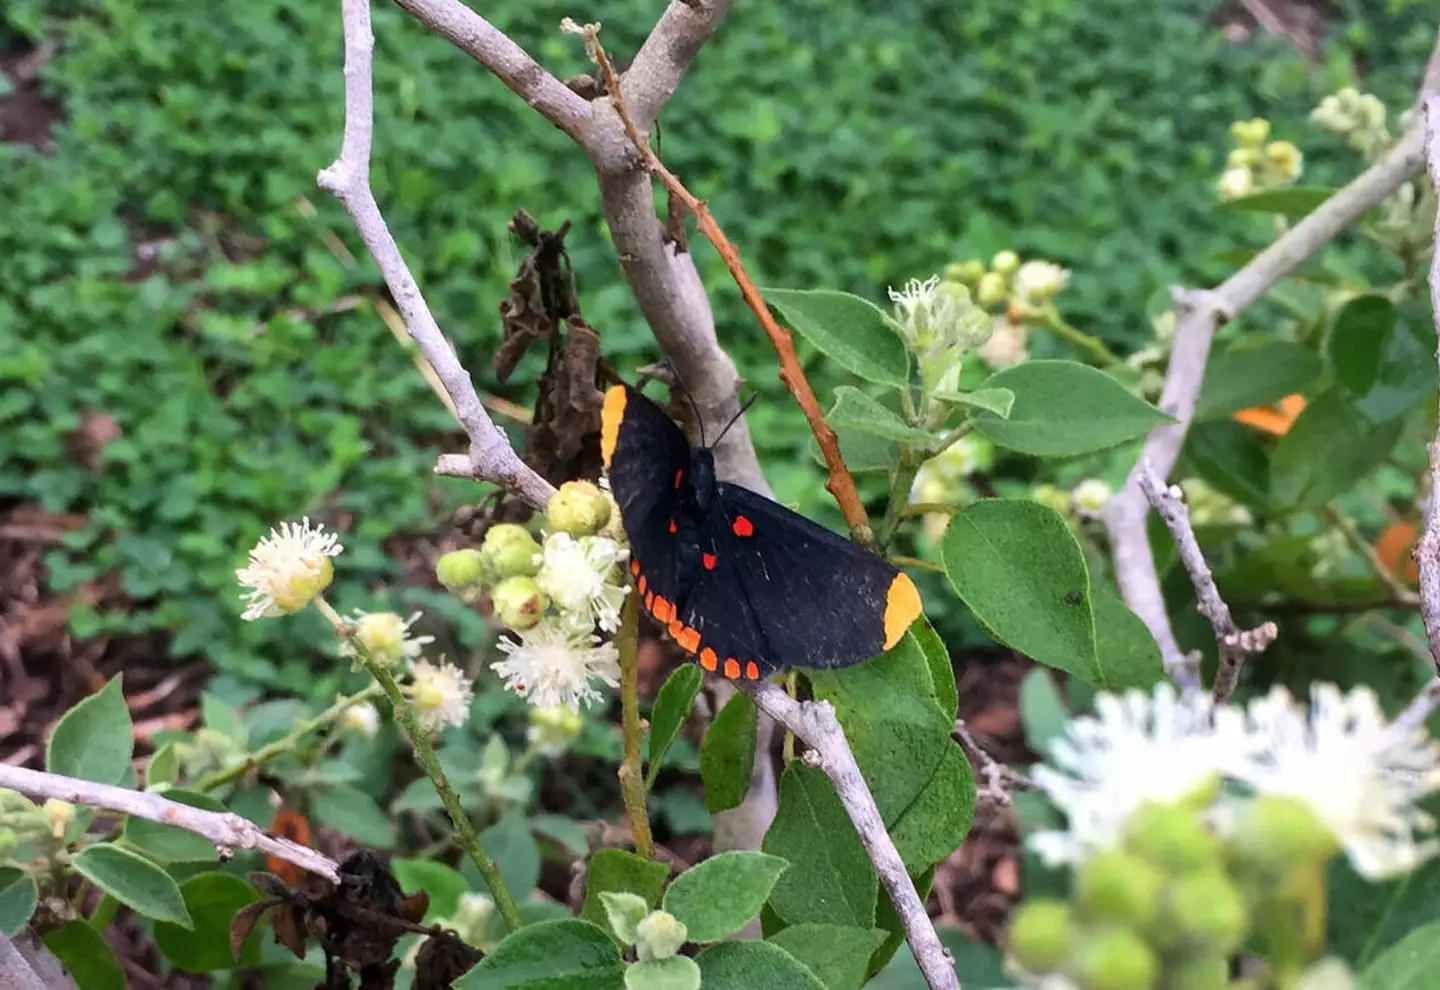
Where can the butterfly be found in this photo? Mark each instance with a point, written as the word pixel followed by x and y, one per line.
pixel 741 583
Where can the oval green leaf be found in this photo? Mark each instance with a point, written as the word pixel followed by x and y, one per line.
pixel 1063 408
pixel 1379 359
pixel 1327 450
pixel 838 955
pixel 727 754
pixel 93 740
pixel 350 811
pixel 133 881
pixel 444 886
pixel 754 966
pixel 672 708
pixel 568 954
pixel 720 895
pixel 1128 653
pixel 993 400
pixel 213 899
pixel 616 871
pixel 1253 373
pixel 18 897
pixel 1409 964
pixel 939 818
pixel 510 843
pixel 674 973
pixel 1042 711
pixel 830 879
pixel 88 957
pixel 1293 202
pixel 855 410
pixel 853 332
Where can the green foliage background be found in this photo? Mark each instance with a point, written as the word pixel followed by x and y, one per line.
pixel 844 146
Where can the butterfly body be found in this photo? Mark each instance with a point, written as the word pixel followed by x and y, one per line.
pixel 741 583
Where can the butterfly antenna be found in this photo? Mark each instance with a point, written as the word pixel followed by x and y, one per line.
pixel 744 408
pixel 699 420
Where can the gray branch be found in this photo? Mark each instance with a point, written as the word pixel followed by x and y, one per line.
pixel 814 722
pixel 1200 314
pixel 224 830
pixel 1427 553
pixel 348 179
pixel 666 55
pixel 996 774
pixel 1235 644
pixel 25 964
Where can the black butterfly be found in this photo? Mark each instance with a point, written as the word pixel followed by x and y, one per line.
pixel 740 582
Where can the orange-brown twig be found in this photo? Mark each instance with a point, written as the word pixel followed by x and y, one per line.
pixel 840 484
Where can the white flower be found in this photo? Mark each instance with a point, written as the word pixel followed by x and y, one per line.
pixel 938 318
pixel 1039 280
pixel 441 695
pixel 1357 776
pixel 362 719
pixel 554 664
pixel 1137 749
pixel 385 636
pixel 1236 182
pixel 1090 497
pixel 581 577
pixel 288 567
pixel 1006 346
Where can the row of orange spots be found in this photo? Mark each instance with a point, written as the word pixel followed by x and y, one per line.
pixel 663 609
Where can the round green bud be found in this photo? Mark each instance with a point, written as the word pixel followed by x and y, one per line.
pixel 967 272
pixel 1278 834
pixel 1205 911
pixel 579 508
pixel 1171 838
pixel 1005 262
pixel 519 602
pixel 1250 133
pixel 509 550
pixel 1040 933
pixel 1116 960
pixel 382 634
pixel 992 289
pixel 658 936
pixel 462 571
pixel 1116 886
pixel 1199 974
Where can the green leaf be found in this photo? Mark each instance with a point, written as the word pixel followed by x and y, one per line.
pixel 1016 564
pixel 1409 964
pixel 1255 371
pixel 444 885
pixel 163 768
pixel 618 871
pixel 510 845
pixel 1124 643
pixel 994 400
pixel 720 895
pixel 675 973
pixel 853 332
pixel 1064 408
pixel 855 410
pixel 672 707
pixel 18 897
pixel 830 879
pixel 1327 450
pixel 936 823
pixel 862 451
pixel 350 811
pixel 569 833
pixel 942 673
pixel 892 720
pixel 754 966
pixel 567 954
pixel 1292 201
pixel 88 957
pixel 1231 459
pixel 1042 713
pixel 212 900
pixel 93 740
pixel 727 754
pixel 624 911
pixel 1358 335
pixel 222 717
pixel 978 965
pixel 133 881
pixel 1380 361
pixel 169 844
pixel 419 795
pixel 1364 919
pixel 838 955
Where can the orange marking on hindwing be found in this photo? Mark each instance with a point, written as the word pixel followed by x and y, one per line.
pixel 708 659
pixel 743 526
pixel 679 476
pixel 708 560
pixel 752 670
pixel 672 526
pixel 732 668
pixel 634 567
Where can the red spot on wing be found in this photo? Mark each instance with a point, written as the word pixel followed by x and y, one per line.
pixel 743 526
pixel 634 566
pixel 708 659
pixel 679 474
pixel 709 561
pixel 643 584
pixel 672 526
pixel 732 668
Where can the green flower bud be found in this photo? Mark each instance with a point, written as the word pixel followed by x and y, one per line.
pixel 1040 934
pixel 509 550
pixel 1199 974
pixel 1005 262
pixel 382 634
pixel 1116 886
pixel 1250 133
pixel 1171 838
pixel 1116 960
pixel 992 289
pixel 625 912
pixel 1279 834
pixel 1205 911
pixel 578 508
pixel 1056 498
pixel 462 571
pixel 968 272
pixel 658 936
pixel 519 602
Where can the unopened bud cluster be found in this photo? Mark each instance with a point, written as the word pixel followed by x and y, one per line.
pixel 939 323
pixel 1012 291
pixel 1358 117
pixel 1256 163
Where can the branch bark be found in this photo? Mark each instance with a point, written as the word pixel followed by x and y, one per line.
pixel 1201 313
pixel 1427 552
pixel 666 55
pixel 224 830
pixel 815 723
pixel 491 456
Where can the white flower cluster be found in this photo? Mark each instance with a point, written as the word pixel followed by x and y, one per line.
pixel 939 323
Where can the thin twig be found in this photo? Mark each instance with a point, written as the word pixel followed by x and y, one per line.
pixel 996 774
pixel 1235 644
pixel 1352 533
pixel 840 484
pixel 491 457
pixel 632 777
pixel 1412 719
pixel 816 724
pixel 1427 551
pixel 1199 316
pixel 226 831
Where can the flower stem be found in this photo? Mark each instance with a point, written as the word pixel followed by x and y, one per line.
pixel 1103 355
pixel 263 755
pixel 632 777
pixel 428 762
pixel 900 485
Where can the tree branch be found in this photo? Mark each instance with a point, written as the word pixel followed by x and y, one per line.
pixel 1427 551
pixel 666 55
pixel 996 774
pixel 224 830
pixel 816 724
pixel 1412 719
pixel 1200 315
pixel 1235 644
pixel 491 456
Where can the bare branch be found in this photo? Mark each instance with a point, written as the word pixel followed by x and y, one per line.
pixel 1200 314
pixel 1412 719
pixel 510 63
pixel 815 723
pixel 666 55
pixel 996 774
pixel 1235 643
pixel 1427 553
pixel 25 964
pixel 348 180
pixel 224 830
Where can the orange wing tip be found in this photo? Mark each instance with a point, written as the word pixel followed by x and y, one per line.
pixel 902 607
pixel 1275 420
pixel 611 415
